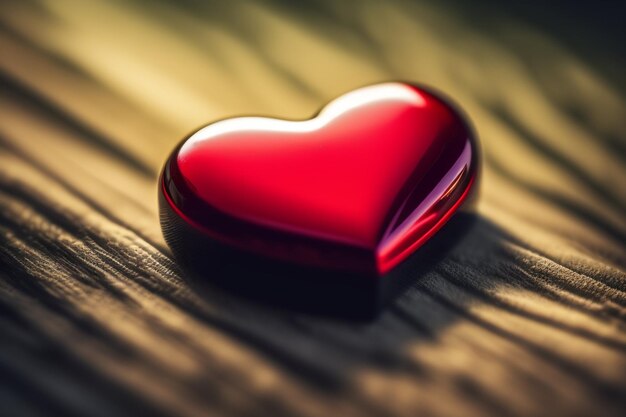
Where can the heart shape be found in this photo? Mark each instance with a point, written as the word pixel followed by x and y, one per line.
pixel 357 188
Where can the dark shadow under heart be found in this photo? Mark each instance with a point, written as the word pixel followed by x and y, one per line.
pixel 303 289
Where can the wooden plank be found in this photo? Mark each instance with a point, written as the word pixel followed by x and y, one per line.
pixel 526 316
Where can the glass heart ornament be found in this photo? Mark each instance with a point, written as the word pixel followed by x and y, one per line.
pixel 327 211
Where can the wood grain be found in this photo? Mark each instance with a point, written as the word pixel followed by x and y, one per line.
pixel 527 316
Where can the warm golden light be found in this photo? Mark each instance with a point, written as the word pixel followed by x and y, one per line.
pixel 524 317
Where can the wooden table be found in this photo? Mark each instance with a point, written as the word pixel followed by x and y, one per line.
pixel 526 316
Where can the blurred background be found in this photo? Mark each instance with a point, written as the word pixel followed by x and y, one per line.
pixel 526 317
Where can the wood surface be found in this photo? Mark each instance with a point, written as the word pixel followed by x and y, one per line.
pixel 526 316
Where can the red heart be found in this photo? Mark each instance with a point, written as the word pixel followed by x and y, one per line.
pixel 359 187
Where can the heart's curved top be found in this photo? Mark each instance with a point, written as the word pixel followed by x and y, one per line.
pixel 359 187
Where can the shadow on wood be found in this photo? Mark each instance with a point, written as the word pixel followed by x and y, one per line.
pixel 302 289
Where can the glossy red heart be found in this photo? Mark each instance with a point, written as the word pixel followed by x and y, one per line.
pixel 359 187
